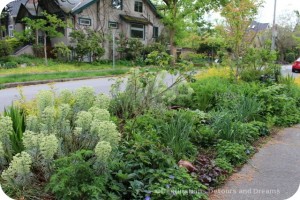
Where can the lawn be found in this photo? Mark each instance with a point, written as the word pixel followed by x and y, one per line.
pixel 26 68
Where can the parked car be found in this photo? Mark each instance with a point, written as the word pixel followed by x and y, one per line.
pixel 296 66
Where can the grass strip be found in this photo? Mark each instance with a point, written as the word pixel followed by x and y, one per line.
pixel 14 78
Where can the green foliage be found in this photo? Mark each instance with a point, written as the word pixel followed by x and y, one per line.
pixel 18 174
pixel 61 51
pixel 5 48
pixel 154 47
pixel 87 43
pixel 49 25
pixel 160 59
pixel 176 183
pixel 204 136
pixel 206 92
pixel 14 43
pixel 143 91
pixel 234 153
pixel 224 164
pixel 76 181
pixel 279 101
pixel 18 118
pixel 8 65
pixel 290 57
pixel 134 49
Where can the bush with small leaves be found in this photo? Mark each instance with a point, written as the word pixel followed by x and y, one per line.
pixel 18 173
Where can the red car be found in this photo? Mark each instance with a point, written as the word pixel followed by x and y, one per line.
pixel 296 66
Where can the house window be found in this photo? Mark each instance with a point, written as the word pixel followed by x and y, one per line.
pixel 138 6
pixel 137 31
pixel 11 30
pixel 85 21
pixel 155 31
pixel 113 25
pixel 117 4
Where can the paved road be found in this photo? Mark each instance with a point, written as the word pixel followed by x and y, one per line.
pixel 273 172
pixel 287 70
pixel 101 85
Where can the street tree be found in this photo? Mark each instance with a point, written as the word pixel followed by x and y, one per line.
pixel 238 15
pixel 49 25
pixel 178 13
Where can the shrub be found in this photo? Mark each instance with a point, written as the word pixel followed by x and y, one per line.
pixel 206 92
pixel 160 59
pixel 290 57
pixel 61 51
pixel 5 48
pixel 167 183
pixel 204 136
pixel 134 49
pixel 224 164
pixel 76 181
pixel 234 153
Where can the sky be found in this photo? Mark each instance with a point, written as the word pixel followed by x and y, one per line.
pixel 283 7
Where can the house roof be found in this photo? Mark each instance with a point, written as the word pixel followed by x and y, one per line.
pixel 82 5
pixel 257 26
pixel 153 8
pixel 14 6
pixel 132 19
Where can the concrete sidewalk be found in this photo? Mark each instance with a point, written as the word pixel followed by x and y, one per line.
pixel 272 174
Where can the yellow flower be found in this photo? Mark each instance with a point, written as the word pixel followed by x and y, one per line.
pixel 214 72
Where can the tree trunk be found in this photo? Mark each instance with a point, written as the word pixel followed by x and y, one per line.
pixel 36 36
pixel 173 47
pixel 45 48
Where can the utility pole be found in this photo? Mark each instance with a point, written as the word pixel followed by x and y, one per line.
pixel 274 27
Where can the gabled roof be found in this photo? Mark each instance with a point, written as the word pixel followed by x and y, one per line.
pixel 153 8
pixel 14 6
pixel 82 5
pixel 257 26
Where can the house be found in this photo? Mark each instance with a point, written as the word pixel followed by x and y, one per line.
pixel 131 18
pixel 260 33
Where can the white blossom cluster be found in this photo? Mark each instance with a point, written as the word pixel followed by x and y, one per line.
pixel 84 99
pixel 102 101
pixel 48 146
pixel 48 120
pixel 84 120
pixel 18 171
pixel 39 143
pixel 106 131
pixel 66 97
pixel 6 129
pixel 44 98
pixel 103 150
pixel 2 154
pixel 99 114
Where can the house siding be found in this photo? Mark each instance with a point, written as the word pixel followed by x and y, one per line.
pixel 106 13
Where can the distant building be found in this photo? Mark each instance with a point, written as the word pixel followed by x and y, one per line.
pixel 132 18
pixel 260 33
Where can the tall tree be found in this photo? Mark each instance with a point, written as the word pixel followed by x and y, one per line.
pixel 49 25
pixel 176 14
pixel 238 16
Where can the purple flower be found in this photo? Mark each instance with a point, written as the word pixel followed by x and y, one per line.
pixel 168 186
pixel 147 198
pixel 171 177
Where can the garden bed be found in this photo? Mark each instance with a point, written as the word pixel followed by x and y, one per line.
pixel 149 141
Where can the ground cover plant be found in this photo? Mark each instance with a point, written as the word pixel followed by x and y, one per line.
pixel 131 145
